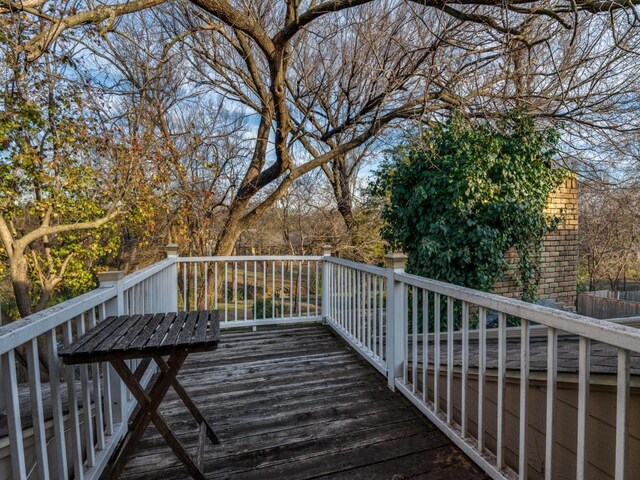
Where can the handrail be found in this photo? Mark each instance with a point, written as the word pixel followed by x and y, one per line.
pixel 22 330
pixel 95 422
pixel 249 258
pixel 363 267
pixel 424 324
pixel 629 321
pixel 600 330
pixel 95 432
pixel 141 275
pixel 356 307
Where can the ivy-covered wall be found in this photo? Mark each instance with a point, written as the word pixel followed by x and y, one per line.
pixel 559 254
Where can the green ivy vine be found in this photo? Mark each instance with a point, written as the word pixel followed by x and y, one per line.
pixel 458 196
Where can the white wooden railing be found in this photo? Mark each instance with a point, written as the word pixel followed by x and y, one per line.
pixel 428 338
pixel 75 438
pixel 356 307
pixel 253 290
pixel 446 324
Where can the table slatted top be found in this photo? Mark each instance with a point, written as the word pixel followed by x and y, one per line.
pixel 138 336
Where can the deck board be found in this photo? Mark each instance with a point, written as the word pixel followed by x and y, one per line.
pixel 297 403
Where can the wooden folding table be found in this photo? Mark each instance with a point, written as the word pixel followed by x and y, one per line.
pixel 151 337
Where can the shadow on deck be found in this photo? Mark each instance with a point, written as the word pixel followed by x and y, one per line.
pixel 298 403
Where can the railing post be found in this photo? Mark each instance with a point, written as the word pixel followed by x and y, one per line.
pixel 3 403
pixel 172 293
pixel 396 325
pixel 326 252
pixel 115 306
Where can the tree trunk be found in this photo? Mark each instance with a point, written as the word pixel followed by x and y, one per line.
pixel 346 211
pixel 340 182
pixel 47 290
pixel 21 285
pixel 232 229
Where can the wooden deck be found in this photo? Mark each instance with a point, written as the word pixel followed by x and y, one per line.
pixel 297 403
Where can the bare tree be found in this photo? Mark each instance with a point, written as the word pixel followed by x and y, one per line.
pixel 284 92
pixel 609 233
pixel 195 148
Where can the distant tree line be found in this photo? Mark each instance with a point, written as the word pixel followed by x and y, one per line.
pixel 609 236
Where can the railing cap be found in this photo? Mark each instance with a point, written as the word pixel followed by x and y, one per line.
pixel 106 278
pixel 326 250
pixel 396 260
pixel 172 250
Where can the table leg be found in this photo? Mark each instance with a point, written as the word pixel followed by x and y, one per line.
pixel 184 396
pixel 142 368
pixel 148 411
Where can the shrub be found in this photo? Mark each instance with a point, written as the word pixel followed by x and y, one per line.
pixel 458 196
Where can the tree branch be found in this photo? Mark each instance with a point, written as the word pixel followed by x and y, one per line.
pixel 7 237
pixel 39 44
pixel 312 14
pixel 223 10
pixel 40 232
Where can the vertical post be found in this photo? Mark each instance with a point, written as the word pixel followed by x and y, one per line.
pixel 326 252
pixel 622 412
pixel 113 307
pixel 584 373
pixel 172 293
pixel 14 424
pixel 111 279
pixel 3 403
pixel 396 326
pixel 552 380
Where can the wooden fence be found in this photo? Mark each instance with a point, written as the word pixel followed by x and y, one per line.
pixel 605 304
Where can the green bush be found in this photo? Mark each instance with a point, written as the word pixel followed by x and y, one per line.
pixel 458 196
pixel 264 308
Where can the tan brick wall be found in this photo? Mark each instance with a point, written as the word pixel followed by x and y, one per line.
pixel 560 252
